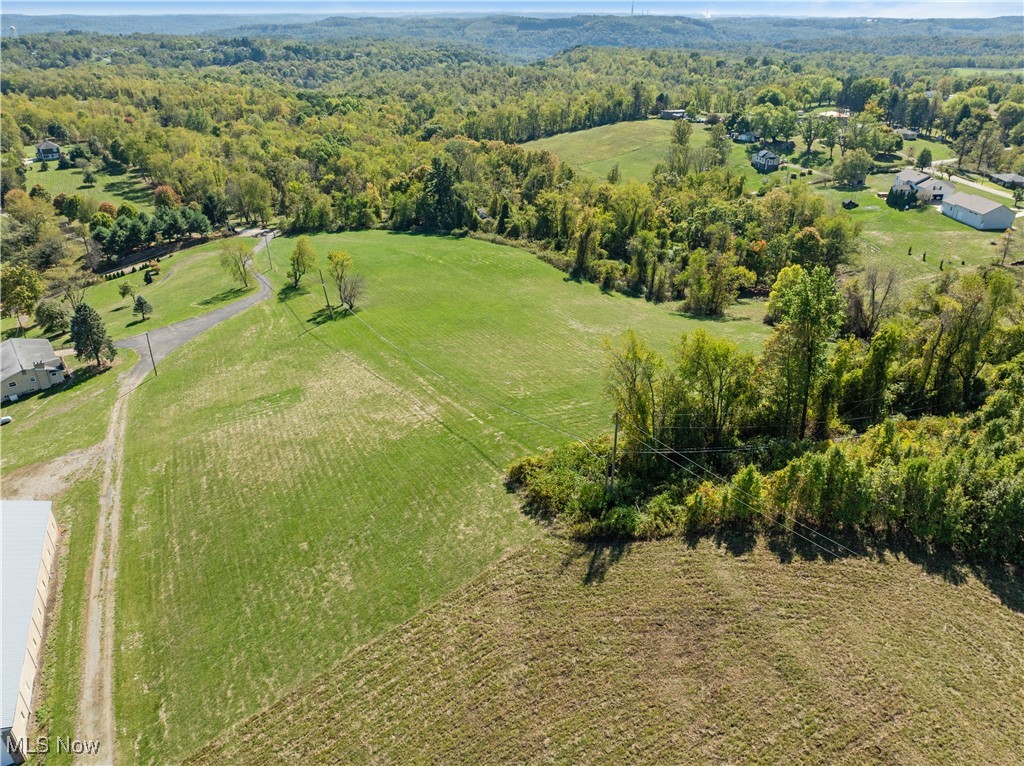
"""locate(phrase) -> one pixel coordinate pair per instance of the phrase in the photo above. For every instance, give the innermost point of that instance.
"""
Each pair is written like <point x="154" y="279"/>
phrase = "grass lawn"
<point x="888" y="233"/>
<point x="76" y="512"/>
<point x="939" y="149"/>
<point x="112" y="185"/>
<point x="190" y="283"/>
<point x="294" y="487"/>
<point x="982" y="71"/>
<point x="635" y="146"/>
<point x="59" y="420"/>
<point x="672" y="652"/>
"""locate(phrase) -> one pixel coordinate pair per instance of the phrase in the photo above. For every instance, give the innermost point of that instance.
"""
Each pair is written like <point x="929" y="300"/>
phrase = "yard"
<point x="888" y="234"/>
<point x="114" y="184"/>
<point x="361" y="485"/>
<point x="190" y="283"/>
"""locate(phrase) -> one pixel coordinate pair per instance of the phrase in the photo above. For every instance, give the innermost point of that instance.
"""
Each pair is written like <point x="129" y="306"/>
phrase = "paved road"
<point x="967" y="182"/>
<point x="166" y="339"/>
<point x="96" y="695"/>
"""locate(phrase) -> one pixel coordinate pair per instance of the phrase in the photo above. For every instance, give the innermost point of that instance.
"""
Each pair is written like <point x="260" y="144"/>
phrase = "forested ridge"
<point x="979" y="41"/>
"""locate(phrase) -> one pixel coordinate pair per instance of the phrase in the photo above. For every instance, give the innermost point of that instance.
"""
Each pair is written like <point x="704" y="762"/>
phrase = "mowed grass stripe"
<point x="671" y="652"/>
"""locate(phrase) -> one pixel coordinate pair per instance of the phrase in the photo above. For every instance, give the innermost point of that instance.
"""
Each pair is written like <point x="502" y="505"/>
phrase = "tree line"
<point x="865" y="413"/>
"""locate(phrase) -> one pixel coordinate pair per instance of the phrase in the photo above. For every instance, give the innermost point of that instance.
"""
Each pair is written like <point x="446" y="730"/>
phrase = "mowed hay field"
<point x="295" y="487"/>
<point x="671" y="653"/>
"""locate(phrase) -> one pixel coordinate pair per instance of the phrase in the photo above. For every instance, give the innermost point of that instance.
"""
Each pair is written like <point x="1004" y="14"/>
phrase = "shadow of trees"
<point x="1004" y="581"/>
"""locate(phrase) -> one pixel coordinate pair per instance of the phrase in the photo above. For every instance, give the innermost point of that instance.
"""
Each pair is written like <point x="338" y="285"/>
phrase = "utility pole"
<point x="151" y="357"/>
<point x="324" y="285"/>
<point x="266" y="246"/>
<point x="615" y="448"/>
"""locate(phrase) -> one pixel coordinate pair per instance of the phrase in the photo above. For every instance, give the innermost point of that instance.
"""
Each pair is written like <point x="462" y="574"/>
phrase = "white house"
<point x="673" y="114"/>
<point x="30" y="535"/>
<point x="926" y="188"/>
<point x="977" y="212"/>
<point x="29" y="365"/>
<point x="765" y="161"/>
<point x="47" y="150"/>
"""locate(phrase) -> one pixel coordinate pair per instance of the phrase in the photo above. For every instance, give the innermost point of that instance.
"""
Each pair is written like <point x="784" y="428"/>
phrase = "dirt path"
<point x="96" y="695"/>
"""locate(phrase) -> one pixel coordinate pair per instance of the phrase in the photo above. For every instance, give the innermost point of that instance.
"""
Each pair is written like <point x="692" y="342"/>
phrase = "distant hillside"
<point x="178" y="24"/>
<point x="537" y="37"/>
<point x="673" y="653"/>
<point x="529" y="38"/>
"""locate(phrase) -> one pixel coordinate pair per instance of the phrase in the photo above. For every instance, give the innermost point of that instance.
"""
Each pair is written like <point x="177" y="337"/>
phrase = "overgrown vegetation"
<point x="910" y="425"/>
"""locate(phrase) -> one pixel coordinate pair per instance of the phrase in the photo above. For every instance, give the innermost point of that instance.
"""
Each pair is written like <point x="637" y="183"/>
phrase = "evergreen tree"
<point x="90" y="337"/>
<point x="142" y="307"/>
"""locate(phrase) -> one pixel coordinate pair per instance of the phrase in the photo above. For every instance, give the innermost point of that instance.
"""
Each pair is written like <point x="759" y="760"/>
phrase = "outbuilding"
<point x="29" y="365"/>
<point x="1009" y="180"/>
<point x="977" y="212"/>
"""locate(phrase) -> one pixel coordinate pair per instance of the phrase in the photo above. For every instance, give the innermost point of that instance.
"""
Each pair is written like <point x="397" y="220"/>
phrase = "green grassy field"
<point x="190" y="283"/>
<point x="111" y="186"/>
<point x="672" y="652"/>
<point x="76" y="512"/>
<point x="60" y="420"/>
<point x="980" y="71"/>
<point x="636" y="147"/>
<point x="295" y="487"/>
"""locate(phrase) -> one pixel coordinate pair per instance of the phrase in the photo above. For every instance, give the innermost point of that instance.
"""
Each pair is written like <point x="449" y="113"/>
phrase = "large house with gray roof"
<point x="924" y="186"/>
<point x="29" y="365"/>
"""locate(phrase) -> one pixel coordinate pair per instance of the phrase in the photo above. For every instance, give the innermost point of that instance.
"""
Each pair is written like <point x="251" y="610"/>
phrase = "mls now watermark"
<point x="43" y="745"/>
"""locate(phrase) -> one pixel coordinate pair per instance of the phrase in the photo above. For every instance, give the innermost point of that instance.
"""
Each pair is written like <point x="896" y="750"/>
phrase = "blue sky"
<point x="864" y="8"/>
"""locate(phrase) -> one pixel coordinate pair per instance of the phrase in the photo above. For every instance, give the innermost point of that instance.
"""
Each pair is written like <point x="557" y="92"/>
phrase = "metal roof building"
<point x="29" y="544"/>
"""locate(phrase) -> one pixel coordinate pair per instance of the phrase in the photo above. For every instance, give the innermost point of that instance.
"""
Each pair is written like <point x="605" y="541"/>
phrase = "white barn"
<point x="977" y="212"/>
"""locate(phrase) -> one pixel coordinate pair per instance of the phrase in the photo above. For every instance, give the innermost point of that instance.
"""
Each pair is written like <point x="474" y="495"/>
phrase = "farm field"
<point x="310" y="451"/>
<point x="190" y="283"/>
<point x="117" y="186"/>
<point x="672" y="652"/>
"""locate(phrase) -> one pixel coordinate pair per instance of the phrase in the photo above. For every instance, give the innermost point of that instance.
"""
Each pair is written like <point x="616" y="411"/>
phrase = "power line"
<point x="765" y="515"/>
<point x="742" y="491"/>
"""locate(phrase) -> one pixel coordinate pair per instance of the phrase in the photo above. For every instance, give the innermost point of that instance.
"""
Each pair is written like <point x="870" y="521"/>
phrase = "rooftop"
<point x="912" y="176"/>
<point x="973" y="202"/>
<point x="23" y="526"/>
<point x="18" y="354"/>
